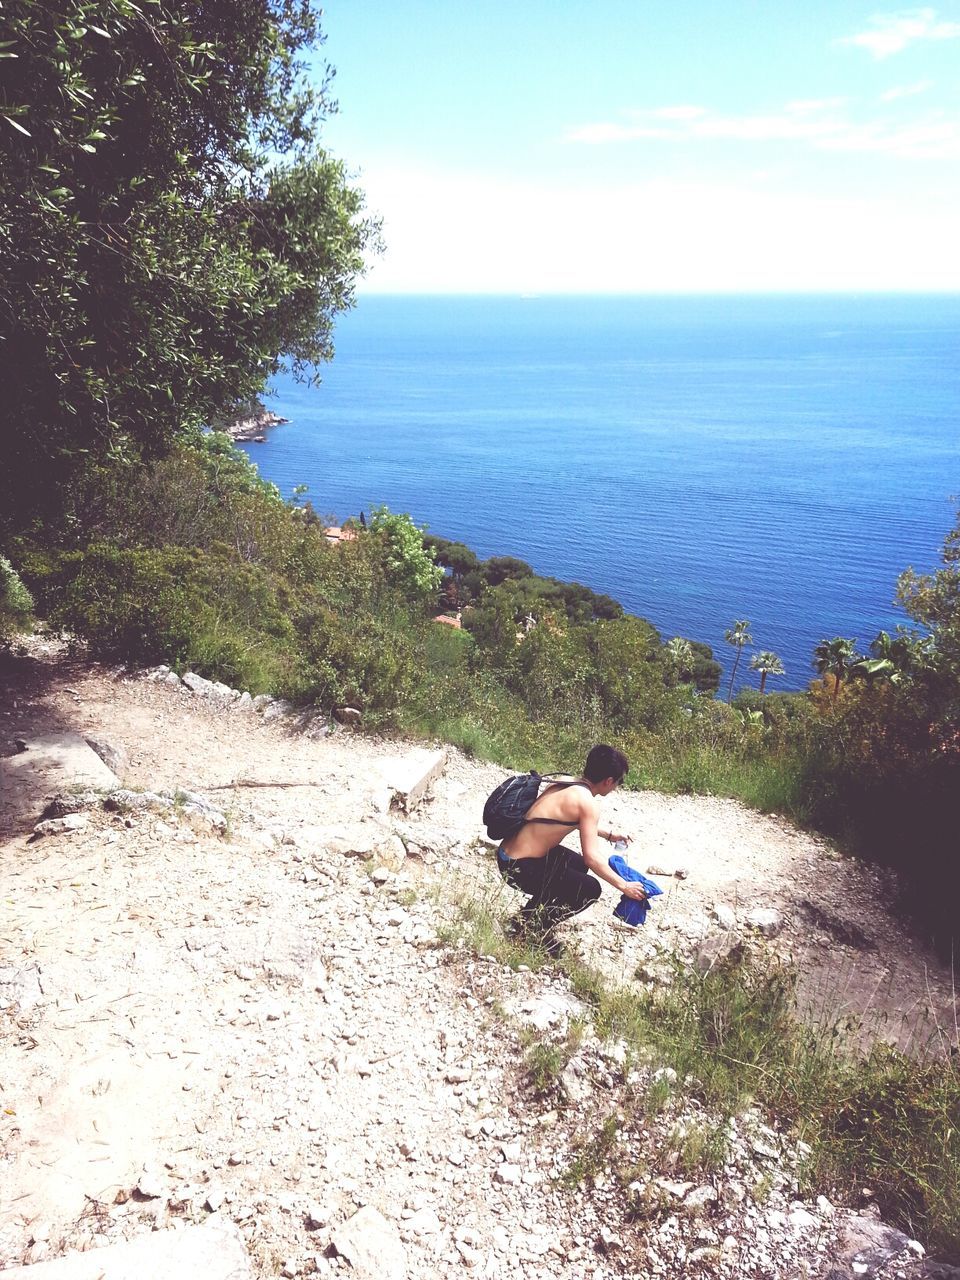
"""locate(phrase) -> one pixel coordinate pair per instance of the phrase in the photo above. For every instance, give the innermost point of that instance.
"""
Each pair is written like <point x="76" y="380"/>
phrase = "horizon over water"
<point x="780" y="458"/>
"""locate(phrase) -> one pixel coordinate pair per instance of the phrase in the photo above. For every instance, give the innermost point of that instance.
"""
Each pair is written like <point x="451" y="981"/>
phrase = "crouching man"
<point x="558" y="880"/>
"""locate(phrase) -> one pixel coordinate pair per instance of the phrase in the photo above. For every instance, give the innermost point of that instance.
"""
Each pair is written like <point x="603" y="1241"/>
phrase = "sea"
<point x="779" y="459"/>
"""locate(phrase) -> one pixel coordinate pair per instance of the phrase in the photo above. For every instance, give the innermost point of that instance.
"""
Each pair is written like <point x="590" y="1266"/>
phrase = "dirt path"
<point x="250" y="1025"/>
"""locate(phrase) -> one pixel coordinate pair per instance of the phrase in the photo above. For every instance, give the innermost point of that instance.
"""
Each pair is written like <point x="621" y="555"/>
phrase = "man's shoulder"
<point x="582" y="798"/>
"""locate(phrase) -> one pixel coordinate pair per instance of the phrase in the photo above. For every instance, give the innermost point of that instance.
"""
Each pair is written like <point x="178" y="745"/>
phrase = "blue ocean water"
<point x="701" y="459"/>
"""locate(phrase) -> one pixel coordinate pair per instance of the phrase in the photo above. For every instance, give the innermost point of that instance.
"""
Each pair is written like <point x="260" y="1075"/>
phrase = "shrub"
<point x="16" y="603"/>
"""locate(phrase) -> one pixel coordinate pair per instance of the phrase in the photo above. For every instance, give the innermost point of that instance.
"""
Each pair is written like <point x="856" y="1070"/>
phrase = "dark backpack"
<point x="507" y="805"/>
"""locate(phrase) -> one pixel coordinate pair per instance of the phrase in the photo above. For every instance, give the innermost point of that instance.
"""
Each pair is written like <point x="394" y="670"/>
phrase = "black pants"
<point x="559" y="885"/>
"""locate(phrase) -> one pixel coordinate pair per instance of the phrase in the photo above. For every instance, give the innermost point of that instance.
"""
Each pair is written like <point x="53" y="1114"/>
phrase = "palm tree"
<point x="768" y="664"/>
<point x="835" y="657"/>
<point x="738" y="635"/>
<point x="680" y="654"/>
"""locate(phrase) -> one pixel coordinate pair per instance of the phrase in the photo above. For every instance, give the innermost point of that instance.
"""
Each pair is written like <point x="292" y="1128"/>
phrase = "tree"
<point x="680" y="656"/>
<point x="410" y="563"/>
<point x="169" y="227"/>
<point x="499" y="568"/>
<point x="739" y="636"/>
<point x="768" y="664"/>
<point x="835" y="657"/>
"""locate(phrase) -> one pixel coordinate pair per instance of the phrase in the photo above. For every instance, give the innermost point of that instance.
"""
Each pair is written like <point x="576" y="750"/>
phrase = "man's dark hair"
<point x="605" y="762"/>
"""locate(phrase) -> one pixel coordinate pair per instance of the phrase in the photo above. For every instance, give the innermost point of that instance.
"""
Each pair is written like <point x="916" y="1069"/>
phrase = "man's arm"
<point x="595" y="858"/>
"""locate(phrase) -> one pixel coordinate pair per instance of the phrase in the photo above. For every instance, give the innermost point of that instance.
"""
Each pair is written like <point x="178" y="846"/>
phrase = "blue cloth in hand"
<point x="629" y="910"/>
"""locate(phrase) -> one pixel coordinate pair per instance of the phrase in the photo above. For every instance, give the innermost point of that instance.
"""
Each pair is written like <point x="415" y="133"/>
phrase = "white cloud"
<point x="820" y="124"/>
<point x="806" y="106"/>
<point x="891" y="33"/>
<point x="464" y="232"/>
<point x="906" y="91"/>
<point x="679" y="113"/>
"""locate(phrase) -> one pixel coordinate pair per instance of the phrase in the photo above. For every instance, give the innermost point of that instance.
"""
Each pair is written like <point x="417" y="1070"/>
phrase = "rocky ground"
<point x="241" y="1001"/>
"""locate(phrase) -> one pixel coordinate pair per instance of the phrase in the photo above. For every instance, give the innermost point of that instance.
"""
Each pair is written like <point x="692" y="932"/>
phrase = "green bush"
<point x="186" y="607"/>
<point x="16" y="603"/>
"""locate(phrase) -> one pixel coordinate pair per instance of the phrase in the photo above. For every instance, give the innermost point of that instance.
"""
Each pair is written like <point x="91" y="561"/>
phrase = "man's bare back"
<point x="564" y="803"/>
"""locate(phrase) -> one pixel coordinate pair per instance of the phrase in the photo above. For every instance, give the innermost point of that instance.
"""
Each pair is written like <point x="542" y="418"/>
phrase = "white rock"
<point x="802" y="1219"/>
<point x="317" y="1215"/>
<point x="371" y="1245"/>
<point x="508" y="1174"/>
<point x="725" y="916"/>
<point x="424" y="1222"/>
<point x="697" y="1201"/>
<point x="766" y="921"/>
<point x="215" y="1198"/>
<point x="390" y="853"/>
<point x="151" y="1184"/>
<point x="198" y="685"/>
<point x="62" y="826"/>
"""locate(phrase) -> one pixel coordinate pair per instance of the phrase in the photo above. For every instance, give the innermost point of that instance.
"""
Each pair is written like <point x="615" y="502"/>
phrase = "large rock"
<point x="111" y="753"/>
<point x="867" y="1245"/>
<point x="551" y="1009"/>
<point x="371" y="1245"/>
<point x="408" y="776"/>
<point x="718" y="949"/>
<point x="766" y="921"/>
<point x="211" y="1252"/>
<point x="56" y="762"/>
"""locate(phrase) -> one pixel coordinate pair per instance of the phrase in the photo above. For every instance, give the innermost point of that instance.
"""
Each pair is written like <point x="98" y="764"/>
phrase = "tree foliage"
<point x="169" y="227"/>
<point x="739" y="636"/>
<point x="410" y="561"/>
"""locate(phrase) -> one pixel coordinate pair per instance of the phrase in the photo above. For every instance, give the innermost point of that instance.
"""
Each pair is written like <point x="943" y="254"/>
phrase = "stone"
<point x="424" y="1222"/>
<point x="56" y="762"/>
<point x="390" y="853"/>
<point x="262" y="701"/>
<point x="347" y="715"/>
<point x="724" y="916"/>
<point x="766" y="921"/>
<point x="576" y="1089"/>
<point x="716" y="949"/>
<point x="317" y="1216"/>
<point x="276" y="708"/>
<point x="112" y="755"/>
<point x="552" y="1009"/>
<point x="214" y="1251"/>
<point x="198" y="685"/>
<point x="73" y="802"/>
<point x="67" y="825"/>
<point x="124" y="801"/>
<point x="20" y="989"/>
<point x="471" y="1257"/>
<point x="700" y="1198"/>
<point x="408" y="776"/>
<point x="356" y="841"/>
<point x="243" y="703"/>
<point x="371" y="1245"/>
<point x="151" y="1184"/>
<point x="508" y="1174"/>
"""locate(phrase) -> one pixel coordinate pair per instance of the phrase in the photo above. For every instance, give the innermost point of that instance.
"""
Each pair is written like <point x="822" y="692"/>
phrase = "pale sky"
<point x="633" y="146"/>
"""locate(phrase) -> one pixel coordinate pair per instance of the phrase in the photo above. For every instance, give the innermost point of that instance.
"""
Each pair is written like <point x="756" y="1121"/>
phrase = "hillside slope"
<point x="270" y="1023"/>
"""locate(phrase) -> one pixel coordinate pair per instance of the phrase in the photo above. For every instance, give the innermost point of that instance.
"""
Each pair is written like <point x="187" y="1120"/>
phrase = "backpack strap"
<point x="557" y="822"/>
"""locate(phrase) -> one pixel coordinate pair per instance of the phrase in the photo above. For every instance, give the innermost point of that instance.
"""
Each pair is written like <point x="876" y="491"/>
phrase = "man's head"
<point x="605" y="765"/>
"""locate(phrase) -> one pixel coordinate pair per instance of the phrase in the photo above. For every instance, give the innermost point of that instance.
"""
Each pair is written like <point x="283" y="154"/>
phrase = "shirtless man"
<point x="557" y="879"/>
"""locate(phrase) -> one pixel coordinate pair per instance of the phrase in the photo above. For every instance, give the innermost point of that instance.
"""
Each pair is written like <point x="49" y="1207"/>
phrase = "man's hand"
<point x="633" y="889"/>
<point x="613" y="837"/>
